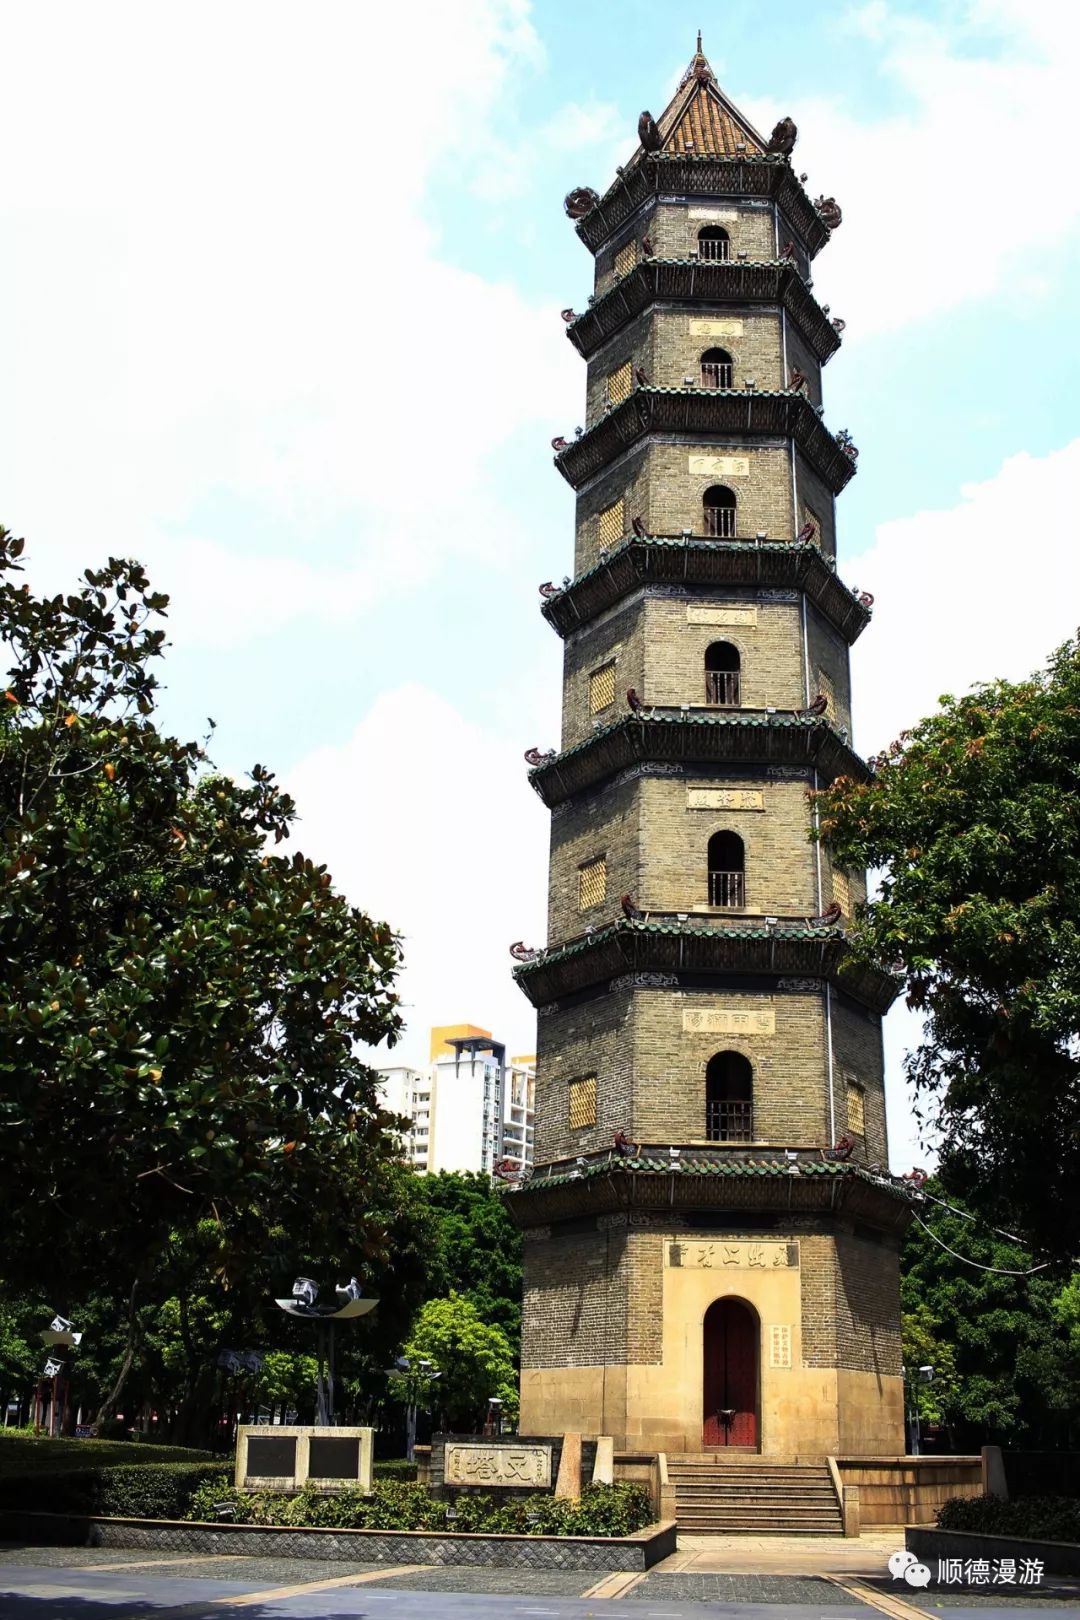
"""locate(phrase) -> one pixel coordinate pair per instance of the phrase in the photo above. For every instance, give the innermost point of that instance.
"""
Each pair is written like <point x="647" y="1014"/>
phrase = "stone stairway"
<point x="717" y="1494"/>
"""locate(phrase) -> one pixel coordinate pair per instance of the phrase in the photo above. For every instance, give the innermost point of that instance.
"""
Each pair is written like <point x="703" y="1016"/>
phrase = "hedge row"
<point x="394" y="1468"/>
<point x="1039" y="1518"/>
<point x="145" y="1491"/>
<point x="604" y="1510"/>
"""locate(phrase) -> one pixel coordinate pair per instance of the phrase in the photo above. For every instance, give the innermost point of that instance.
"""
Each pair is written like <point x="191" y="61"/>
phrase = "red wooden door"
<point x="731" y="1375"/>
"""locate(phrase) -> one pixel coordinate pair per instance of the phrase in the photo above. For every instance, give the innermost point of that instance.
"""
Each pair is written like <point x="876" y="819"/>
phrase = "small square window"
<point x="602" y="687"/>
<point x="592" y="883"/>
<point x="625" y="259"/>
<point x="611" y="525"/>
<point x="582" y="1102"/>
<point x="620" y="383"/>
<point x="856" y="1113"/>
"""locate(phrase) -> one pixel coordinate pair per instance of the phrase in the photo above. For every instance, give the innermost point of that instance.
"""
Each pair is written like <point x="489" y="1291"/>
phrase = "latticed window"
<point x="582" y="1102"/>
<point x="722" y="675"/>
<point x="717" y="369"/>
<point x="620" y="383"/>
<point x="611" y="524"/>
<point x="592" y="883"/>
<point x="713" y="242"/>
<point x="841" y="890"/>
<point x="626" y="258"/>
<point x="602" y="687"/>
<point x="856" y="1112"/>
<point x="729" y="1098"/>
<point x="718" y="507"/>
<point x="727" y="869"/>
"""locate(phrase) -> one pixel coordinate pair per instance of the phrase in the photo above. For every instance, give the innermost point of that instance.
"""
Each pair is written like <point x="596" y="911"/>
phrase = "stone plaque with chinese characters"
<point x="779" y="1345"/>
<point x="720" y="466"/>
<point x="729" y="1021"/>
<point x="719" y="216"/>
<point x="746" y="1255"/>
<point x="721" y="615"/>
<point x="725" y="799"/>
<point x="716" y="328"/>
<point x="498" y="1465"/>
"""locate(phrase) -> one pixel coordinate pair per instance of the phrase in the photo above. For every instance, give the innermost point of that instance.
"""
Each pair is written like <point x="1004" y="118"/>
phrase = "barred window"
<point x="841" y="890"/>
<point x="626" y="258"/>
<point x="856" y="1113"/>
<point x="602" y="687"/>
<point x="582" y="1102"/>
<point x="592" y="883"/>
<point x="620" y="383"/>
<point x="611" y="524"/>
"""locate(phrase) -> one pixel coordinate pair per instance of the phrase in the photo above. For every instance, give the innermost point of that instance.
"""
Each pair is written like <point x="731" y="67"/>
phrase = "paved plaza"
<point x="739" y="1577"/>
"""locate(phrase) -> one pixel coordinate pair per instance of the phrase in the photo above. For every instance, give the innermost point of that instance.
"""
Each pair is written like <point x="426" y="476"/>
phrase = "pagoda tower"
<point x="711" y="1237"/>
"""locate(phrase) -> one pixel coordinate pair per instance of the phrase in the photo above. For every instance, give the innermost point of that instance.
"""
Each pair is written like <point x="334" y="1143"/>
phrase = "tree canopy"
<point x="974" y="818"/>
<point x="473" y="1358"/>
<point x="477" y="1247"/>
<point x="182" y="1003"/>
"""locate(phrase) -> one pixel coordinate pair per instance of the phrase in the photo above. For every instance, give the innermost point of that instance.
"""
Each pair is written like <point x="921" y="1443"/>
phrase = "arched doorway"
<point x="730" y="1382"/>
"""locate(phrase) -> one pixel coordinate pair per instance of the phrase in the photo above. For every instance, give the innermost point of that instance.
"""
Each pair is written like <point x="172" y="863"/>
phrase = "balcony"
<point x="727" y="890"/>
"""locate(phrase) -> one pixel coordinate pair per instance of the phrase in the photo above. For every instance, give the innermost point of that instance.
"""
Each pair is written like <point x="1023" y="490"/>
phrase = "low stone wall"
<point x="637" y="1552"/>
<point x="908" y="1490"/>
<point x="1058" y="1557"/>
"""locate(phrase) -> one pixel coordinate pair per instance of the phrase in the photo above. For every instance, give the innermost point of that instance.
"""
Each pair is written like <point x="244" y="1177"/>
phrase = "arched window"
<point x="719" y="507"/>
<point x="716" y="369"/>
<point x="713" y="242"/>
<point x="727" y="869"/>
<point x="729" y="1098"/>
<point x="722" y="663"/>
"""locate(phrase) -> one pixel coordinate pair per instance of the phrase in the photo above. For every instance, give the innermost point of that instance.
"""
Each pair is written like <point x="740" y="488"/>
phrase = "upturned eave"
<point x="707" y="414"/>
<point x="705" y="281"/>
<point x="682" y="175"/>
<point x="684" y="560"/>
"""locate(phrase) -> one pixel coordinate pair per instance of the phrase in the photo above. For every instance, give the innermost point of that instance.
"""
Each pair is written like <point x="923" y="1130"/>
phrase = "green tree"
<point x="474" y="1360"/>
<point x="181" y="1007"/>
<point x="477" y="1251"/>
<point x="974" y="816"/>
<point x="1005" y="1370"/>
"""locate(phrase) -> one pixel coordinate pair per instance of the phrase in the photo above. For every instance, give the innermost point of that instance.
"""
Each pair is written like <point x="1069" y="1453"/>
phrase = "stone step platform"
<point x="743" y="1495"/>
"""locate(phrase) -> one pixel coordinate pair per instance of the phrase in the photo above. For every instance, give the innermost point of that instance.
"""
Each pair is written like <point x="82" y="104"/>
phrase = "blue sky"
<point x="279" y="314"/>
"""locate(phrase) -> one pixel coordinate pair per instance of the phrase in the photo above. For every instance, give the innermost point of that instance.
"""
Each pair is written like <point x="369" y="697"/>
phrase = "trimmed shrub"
<point x="394" y="1468"/>
<point x="147" y="1491"/>
<point x="604" y="1510"/>
<point x="1039" y="1518"/>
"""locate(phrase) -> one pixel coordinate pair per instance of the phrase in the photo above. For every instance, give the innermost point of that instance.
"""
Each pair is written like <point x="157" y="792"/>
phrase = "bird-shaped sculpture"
<point x="838" y="325"/>
<point x="630" y="911"/>
<point x="783" y="137"/>
<point x="819" y="705"/>
<point x="579" y="202"/>
<point x="647" y="247"/>
<point x="548" y="589"/>
<point x="847" y="444"/>
<point x="804" y="536"/>
<point x="560" y="444"/>
<point x="568" y="315"/>
<point x="798" y="380"/>
<point x="865" y="597"/>
<point x="506" y="1170"/>
<point x="634" y="701"/>
<point x="521" y="952"/>
<point x="642" y="377"/>
<point x="788" y="250"/>
<point x="829" y="209"/>
<point x="534" y="756"/>
<point x="648" y="134"/>
<point x="637" y="523"/>
<point x="622" y="1144"/>
<point x="829" y="917"/>
<point x="918" y="1178"/>
<point x="843" y="1149"/>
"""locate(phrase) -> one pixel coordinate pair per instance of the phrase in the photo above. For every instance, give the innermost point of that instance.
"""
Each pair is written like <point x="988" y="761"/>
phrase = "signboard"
<point x="721" y="615"/>
<point x="528" y="1466"/>
<point x="706" y="1255"/>
<point x="720" y="466"/>
<point x="729" y="1021"/>
<point x="725" y="799"/>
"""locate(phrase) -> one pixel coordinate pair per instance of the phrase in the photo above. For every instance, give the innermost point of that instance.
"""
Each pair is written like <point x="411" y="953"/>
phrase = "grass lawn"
<point x="24" y="1454"/>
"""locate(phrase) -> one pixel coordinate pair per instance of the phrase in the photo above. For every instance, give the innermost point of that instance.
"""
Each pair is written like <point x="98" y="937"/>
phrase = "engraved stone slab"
<point x="722" y="466"/>
<point x="779" y="1345"/>
<point x="721" y="615"/>
<point x="714" y="328"/>
<point x="720" y="1256"/>
<point x="719" y="216"/>
<point x="729" y="1021"/>
<point x="504" y="1466"/>
<point x="725" y="799"/>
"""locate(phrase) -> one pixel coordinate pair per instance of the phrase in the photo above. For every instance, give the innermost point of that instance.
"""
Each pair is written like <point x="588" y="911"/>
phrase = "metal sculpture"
<point x="798" y="381"/>
<point x="804" y="536"/>
<point x="521" y="952"/>
<point x="559" y="444"/>
<point x="647" y="247"/>
<point x="579" y="202"/>
<point x="847" y="444"/>
<point x="829" y="917"/>
<point x="648" y="134"/>
<point x="841" y="1150"/>
<point x="829" y="209"/>
<point x="634" y="701"/>
<point x="637" y="523"/>
<point x="783" y="137"/>
<point x="788" y="250"/>
<point x="568" y="315"/>
<point x="629" y="910"/>
<point x="548" y="589"/>
<point x="534" y="756"/>
<point x="641" y="377"/>
<point x="838" y="325"/>
<point x="812" y="710"/>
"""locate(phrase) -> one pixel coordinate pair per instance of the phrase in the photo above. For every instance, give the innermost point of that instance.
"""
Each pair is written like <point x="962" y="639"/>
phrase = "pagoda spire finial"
<point x="699" y="42"/>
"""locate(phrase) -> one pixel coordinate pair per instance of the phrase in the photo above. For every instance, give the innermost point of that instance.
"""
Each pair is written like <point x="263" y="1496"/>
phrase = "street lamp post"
<point x="417" y="1384"/>
<point x="304" y="1304"/>
<point x="58" y="1335"/>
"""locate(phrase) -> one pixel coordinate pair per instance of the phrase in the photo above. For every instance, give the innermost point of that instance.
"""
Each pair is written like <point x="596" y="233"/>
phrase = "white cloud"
<point x="230" y="298"/>
<point x="426" y="820"/>
<point x="965" y="187"/>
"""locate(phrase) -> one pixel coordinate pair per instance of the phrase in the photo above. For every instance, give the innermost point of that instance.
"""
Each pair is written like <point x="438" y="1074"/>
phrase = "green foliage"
<point x="476" y="1249"/>
<point x="1042" y="1518"/>
<point x="398" y="1468"/>
<point x="147" y="1491"/>
<point x="22" y="1453"/>
<point x="975" y="817"/>
<point x="1006" y="1369"/>
<point x="604" y="1510"/>
<point x="475" y="1362"/>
